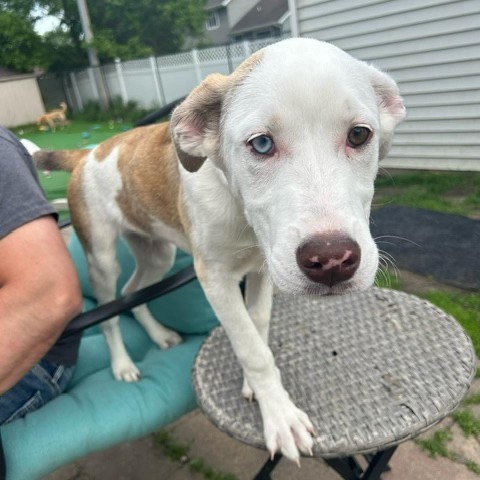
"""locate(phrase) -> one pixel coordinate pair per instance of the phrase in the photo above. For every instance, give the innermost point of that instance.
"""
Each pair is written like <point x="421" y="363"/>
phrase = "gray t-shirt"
<point x="21" y="201"/>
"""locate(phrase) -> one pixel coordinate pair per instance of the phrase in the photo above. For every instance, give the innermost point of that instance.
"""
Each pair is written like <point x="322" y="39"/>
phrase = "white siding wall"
<point x="432" y="49"/>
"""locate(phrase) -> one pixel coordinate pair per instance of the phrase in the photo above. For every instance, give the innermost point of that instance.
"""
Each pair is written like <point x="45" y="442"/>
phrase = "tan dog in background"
<point x="54" y="118"/>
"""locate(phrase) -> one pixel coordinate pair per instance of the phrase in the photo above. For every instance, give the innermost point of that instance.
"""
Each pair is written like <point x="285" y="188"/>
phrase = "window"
<point x="264" y="34"/>
<point x="213" y="21"/>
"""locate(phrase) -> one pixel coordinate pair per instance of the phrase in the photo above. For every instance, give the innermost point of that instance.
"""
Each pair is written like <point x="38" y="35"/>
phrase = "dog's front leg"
<point x="286" y="428"/>
<point x="258" y="299"/>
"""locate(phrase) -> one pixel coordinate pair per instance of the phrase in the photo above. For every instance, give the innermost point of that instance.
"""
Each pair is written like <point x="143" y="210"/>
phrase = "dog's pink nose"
<point x="328" y="259"/>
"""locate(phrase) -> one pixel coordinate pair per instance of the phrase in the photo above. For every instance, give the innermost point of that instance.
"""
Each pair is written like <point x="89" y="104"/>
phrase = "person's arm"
<point x="39" y="295"/>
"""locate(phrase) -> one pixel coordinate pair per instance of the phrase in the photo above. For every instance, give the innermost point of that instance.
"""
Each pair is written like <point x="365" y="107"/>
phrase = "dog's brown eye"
<point x="262" y="144"/>
<point x="358" y="136"/>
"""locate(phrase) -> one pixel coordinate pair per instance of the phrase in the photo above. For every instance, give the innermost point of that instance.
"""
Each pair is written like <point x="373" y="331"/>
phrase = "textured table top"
<point x="370" y="369"/>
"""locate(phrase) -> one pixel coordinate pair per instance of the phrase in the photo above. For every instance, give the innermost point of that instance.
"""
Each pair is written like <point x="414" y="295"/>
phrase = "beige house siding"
<point x="20" y="101"/>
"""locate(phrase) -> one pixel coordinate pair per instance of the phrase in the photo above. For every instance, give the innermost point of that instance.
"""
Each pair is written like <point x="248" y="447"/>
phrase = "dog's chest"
<point x="218" y="227"/>
<point x="229" y="240"/>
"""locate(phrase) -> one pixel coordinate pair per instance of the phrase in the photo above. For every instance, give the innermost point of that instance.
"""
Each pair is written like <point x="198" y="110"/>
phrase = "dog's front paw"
<point x="286" y="428"/>
<point x="165" y="338"/>
<point x="125" y="370"/>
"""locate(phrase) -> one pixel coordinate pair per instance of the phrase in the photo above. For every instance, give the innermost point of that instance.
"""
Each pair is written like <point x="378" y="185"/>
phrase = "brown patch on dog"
<point x="149" y="169"/>
<point x="102" y="151"/>
<point x="248" y="65"/>
<point x="182" y="211"/>
<point x="78" y="208"/>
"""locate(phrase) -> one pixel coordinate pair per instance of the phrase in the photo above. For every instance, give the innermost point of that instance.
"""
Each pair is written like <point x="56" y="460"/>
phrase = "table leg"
<point x="349" y="469"/>
<point x="268" y="467"/>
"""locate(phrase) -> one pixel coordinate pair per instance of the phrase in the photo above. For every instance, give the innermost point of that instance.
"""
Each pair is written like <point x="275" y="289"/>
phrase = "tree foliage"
<point x="127" y="28"/>
<point x="22" y="49"/>
<point x="122" y="28"/>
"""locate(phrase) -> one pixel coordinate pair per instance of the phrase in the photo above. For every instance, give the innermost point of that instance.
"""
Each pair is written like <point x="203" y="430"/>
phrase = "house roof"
<point x="264" y="14"/>
<point x="7" y="74"/>
<point x="214" y="4"/>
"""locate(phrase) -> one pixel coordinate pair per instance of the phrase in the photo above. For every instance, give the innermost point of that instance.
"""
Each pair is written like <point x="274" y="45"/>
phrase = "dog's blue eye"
<point x="262" y="144"/>
<point x="358" y="136"/>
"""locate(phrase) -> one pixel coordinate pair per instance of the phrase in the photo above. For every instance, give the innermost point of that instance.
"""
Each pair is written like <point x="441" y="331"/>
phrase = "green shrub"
<point x="118" y="111"/>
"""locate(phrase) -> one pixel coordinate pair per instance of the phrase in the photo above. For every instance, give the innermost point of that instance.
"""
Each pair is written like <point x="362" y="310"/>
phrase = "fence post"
<point x="93" y="83"/>
<point x="228" y="51"/>
<point x="196" y="65"/>
<point x="292" y="7"/>
<point x="158" y="90"/>
<point x="66" y="90"/>
<point x="246" y="48"/>
<point x="121" y="81"/>
<point x="76" y="91"/>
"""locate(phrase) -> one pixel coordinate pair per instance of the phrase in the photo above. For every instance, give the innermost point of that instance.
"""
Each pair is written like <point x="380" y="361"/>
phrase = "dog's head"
<point x="298" y="130"/>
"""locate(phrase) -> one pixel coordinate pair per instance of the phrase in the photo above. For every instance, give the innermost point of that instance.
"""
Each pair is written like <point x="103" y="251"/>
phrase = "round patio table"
<point x="371" y="370"/>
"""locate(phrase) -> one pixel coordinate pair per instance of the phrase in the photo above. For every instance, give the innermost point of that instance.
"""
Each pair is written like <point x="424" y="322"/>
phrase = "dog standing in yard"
<point x="54" y="118"/>
<point x="266" y="174"/>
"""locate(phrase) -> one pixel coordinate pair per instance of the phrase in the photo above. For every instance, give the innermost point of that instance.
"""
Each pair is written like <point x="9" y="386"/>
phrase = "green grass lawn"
<point x="465" y="307"/>
<point x="449" y="192"/>
<point x="77" y="135"/>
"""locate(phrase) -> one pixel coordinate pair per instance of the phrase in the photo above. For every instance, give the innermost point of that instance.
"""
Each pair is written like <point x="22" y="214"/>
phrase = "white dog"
<point x="265" y="174"/>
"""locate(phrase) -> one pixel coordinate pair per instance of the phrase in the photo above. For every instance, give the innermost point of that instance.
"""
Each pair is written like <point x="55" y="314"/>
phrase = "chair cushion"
<point x="96" y="411"/>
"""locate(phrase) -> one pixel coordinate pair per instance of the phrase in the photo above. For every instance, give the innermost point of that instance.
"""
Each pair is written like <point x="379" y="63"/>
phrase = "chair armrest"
<point x="127" y="302"/>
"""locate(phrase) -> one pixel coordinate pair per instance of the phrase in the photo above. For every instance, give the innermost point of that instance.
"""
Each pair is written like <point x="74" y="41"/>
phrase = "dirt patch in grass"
<point x="419" y="285"/>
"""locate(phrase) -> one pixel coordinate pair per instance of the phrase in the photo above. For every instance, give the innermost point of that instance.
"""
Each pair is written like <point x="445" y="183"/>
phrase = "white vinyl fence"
<point x="155" y="81"/>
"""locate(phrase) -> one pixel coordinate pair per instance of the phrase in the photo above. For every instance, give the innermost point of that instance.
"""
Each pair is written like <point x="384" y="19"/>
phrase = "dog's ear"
<point x="391" y="108"/>
<point x="195" y="123"/>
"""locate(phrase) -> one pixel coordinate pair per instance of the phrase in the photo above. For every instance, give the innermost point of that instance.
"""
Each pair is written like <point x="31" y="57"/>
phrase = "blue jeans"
<point x="42" y="383"/>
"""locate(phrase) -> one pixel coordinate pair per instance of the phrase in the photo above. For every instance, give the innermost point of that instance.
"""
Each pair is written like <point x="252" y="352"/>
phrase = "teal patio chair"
<point x="96" y="411"/>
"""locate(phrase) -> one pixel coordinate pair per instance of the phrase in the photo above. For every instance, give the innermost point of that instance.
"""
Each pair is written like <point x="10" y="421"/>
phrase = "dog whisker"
<point x="385" y="172"/>
<point x="256" y="245"/>
<point x="396" y="237"/>
<point x="389" y="202"/>
<point x="388" y="243"/>
<point x="243" y="230"/>
<point x="388" y="264"/>
<point x="387" y="256"/>
<point x="387" y="261"/>
<point x="382" y="277"/>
